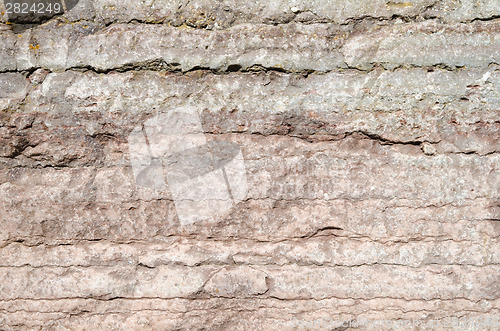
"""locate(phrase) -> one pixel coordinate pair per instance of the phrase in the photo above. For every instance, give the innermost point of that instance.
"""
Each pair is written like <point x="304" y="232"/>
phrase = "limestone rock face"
<point x="343" y="158"/>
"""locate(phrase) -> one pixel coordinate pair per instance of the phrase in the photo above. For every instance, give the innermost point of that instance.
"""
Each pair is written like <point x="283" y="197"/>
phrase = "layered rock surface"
<point x="370" y="133"/>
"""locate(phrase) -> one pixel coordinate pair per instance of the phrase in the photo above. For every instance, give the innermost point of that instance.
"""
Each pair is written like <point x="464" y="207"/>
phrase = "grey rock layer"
<point x="222" y="14"/>
<point x="292" y="47"/>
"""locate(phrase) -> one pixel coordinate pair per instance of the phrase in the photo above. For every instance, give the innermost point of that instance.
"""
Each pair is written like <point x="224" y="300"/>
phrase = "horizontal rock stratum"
<point x="369" y="132"/>
<point x="294" y="47"/>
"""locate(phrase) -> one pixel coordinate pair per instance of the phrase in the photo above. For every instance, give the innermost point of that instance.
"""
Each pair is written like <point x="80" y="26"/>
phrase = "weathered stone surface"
<point x="318" y="250"/>
<point x="453" y="111"/>
<point x="285" y="282"/>
<point x="291" y="47"/>
<point x="370" y="137"/>
<point x="425" y="44"/>
<point x="236" y="314"/>
<point x="221" y="14"/>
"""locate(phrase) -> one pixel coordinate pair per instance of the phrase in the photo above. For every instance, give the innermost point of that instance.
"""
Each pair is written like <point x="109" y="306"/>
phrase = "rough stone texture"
<point x="221" y="14"/>
<point x="370" y="132"/>
<point x="294" y="47"/>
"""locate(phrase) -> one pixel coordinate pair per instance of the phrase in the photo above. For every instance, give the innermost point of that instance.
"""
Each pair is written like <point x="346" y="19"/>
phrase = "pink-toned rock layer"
<point x="370" y="132"/>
